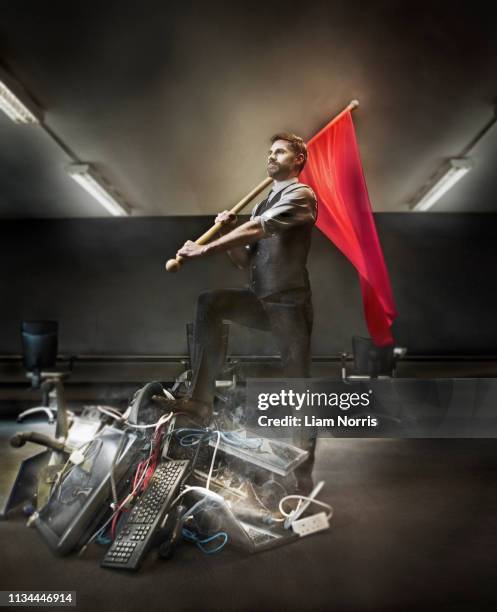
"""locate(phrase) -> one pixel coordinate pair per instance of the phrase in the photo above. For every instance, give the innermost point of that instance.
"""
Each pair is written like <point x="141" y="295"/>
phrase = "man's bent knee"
<point x="208" y="300"/>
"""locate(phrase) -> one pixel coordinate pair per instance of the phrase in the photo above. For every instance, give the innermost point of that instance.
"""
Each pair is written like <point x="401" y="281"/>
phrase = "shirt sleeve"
<point x="297" y="207"/>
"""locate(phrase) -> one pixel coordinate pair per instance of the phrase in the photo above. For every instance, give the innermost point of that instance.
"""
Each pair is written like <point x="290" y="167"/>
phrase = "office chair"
<point x="370" y="360"/>
<point x="39" y="346"/>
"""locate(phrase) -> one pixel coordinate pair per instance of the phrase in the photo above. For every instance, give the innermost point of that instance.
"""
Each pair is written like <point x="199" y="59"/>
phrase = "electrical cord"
<point x="190" y="437"/>
<point x="202" y="490"/>
<point x="102" y="540"/>
<point x="303" y="498"/>
<point x="191" y="536"/>
<point x="195" y="437"/>
<point x="123" y="418"/>
<point x="164" y="419"/>
<point x="144" y="472"/>
<point x="110" y="412"/>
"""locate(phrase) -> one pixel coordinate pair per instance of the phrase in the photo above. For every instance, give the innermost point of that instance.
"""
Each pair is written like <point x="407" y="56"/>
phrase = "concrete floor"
<point x="415" y="528"/>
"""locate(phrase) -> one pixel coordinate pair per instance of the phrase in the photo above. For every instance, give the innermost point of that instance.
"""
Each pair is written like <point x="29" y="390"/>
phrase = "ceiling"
<point x="174" y="103"/>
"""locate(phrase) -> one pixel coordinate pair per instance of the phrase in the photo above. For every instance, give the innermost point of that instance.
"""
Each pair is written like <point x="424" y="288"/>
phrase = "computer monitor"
<point x="81" y="500"/>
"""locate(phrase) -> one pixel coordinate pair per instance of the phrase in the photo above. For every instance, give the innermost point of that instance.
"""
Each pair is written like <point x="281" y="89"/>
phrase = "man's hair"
<point x="297" y="145"/>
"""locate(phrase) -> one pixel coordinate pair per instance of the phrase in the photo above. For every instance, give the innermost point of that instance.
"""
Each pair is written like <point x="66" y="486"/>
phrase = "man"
<point x="273" y="245"/>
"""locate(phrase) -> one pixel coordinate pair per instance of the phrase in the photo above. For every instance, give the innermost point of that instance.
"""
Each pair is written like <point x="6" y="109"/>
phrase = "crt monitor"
<point x="80" y="501"/>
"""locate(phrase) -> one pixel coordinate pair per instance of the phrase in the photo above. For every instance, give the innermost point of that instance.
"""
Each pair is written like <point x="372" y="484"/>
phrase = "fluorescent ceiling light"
<point x="89" y="180"/>
<point x="14" y="108"/>
<point x="458" y="168"/>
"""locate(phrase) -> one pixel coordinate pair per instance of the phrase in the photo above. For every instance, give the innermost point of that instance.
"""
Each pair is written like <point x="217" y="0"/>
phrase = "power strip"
<point x="311" y="524"/>
<point x="303" y="505"/>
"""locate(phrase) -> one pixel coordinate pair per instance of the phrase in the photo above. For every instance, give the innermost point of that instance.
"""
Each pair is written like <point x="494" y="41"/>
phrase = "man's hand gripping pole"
<point x="173" y="265"/>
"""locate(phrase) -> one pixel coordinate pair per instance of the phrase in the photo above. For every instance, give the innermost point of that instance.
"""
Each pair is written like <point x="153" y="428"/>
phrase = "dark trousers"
<point x="287" y="314"/>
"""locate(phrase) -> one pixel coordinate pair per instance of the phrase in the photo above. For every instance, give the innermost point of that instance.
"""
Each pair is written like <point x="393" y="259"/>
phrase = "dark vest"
<point x="278" y="263"/>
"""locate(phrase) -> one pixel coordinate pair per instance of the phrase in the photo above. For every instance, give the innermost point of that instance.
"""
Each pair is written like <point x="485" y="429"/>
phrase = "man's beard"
<point x="277" y="172"/>
<point x="273" y="169"/>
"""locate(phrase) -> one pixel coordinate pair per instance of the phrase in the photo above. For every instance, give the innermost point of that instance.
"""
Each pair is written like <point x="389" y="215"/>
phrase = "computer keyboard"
<point x="137" y="534"/>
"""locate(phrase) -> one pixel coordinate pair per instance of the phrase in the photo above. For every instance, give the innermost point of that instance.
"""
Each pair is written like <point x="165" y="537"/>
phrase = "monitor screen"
<point x="83" y="494"/>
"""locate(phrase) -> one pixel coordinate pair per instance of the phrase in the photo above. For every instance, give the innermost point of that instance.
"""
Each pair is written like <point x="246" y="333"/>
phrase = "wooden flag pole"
<point x="173" y="265"/>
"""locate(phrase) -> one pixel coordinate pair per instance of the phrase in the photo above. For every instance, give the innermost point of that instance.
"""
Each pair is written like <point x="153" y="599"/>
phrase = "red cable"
<point x="152" y="464"/>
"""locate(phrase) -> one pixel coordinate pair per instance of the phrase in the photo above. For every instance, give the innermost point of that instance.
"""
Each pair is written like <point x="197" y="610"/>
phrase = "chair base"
<point x="37" y="410"/>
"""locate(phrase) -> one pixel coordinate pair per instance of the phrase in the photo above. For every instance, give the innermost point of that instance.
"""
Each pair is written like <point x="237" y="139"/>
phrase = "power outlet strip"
<point x="311" y="524"/>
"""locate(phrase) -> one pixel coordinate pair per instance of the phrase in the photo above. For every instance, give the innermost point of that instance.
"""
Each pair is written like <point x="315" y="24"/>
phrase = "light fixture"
<point x="20" y="111"/>
<point x="86" y="176"/>
<point x="458" y="168"/>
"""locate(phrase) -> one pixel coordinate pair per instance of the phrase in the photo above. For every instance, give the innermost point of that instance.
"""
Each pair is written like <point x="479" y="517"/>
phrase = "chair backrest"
<point x="39" y="344"/>
<point x="372" y="360"/>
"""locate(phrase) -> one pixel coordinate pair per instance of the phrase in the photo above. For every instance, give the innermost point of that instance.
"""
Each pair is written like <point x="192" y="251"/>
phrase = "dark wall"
<point x="103" y="280"/>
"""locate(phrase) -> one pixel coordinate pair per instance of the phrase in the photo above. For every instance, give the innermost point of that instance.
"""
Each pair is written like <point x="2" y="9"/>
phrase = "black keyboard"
<point x="137" y="534"/>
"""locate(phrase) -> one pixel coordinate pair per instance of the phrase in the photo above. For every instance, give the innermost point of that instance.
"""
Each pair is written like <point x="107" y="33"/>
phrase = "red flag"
<point x="334" y="172"/>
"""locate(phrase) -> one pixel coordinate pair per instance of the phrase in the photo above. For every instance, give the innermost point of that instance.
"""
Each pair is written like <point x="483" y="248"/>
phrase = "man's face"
<point x="282" y="162"/>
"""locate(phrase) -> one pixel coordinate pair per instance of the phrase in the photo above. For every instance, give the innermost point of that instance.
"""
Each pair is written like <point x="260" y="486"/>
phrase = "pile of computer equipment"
<point x="147" y="479"/>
